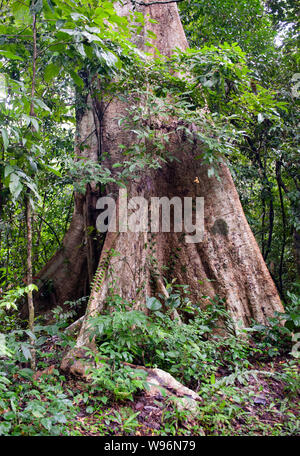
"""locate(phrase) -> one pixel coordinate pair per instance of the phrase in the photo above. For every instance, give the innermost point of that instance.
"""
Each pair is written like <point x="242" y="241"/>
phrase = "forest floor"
<point x="246" y="386"/>
<point x="259" y="405"/>
<point x="267" y="412"/>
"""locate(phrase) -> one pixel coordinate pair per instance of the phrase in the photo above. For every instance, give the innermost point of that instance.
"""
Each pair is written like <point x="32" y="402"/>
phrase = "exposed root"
<point x="159" y="382"/>
<point x="75" y="326"/>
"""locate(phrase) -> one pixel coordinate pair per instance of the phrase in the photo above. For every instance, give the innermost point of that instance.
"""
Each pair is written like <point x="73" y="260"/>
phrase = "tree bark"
<point x="227" y="263"/>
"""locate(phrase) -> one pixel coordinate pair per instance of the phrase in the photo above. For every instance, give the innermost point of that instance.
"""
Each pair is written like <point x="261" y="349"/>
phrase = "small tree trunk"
<point x="29" y="278"/>
<point x="28" y="209"/>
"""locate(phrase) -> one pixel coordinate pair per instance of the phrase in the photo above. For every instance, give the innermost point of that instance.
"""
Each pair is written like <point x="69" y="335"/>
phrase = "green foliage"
<point x="291" y="316"/>
<point x="264" y="167"/>
<point x="235" y="93"/>
<point x="191" y="351"/>
<point x="34" y="408"/>
<point x="74" y="43"/>
<point x="126" y="420"/>
<point x="217" y="21"/>
<point x="278" y="334"/>
<point x="11" y="297"/>
<point x="30" y="405"/>
<point x="232" y="102"/>
<point x="117" y="381"/>
<point x="183" y="349"/>
<point x="195" y="355"/>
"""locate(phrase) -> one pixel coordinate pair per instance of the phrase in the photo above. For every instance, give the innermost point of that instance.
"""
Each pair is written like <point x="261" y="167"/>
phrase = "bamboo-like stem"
<point x="29" y="277"/>
<point x="29" y="212"/>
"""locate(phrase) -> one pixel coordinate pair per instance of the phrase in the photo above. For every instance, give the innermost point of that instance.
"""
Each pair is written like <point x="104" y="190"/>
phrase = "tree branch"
<point x="52" y="229"/>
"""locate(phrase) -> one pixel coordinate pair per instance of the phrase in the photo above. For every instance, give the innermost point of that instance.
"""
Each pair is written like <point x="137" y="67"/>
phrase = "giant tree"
<point x="227" y="262"/>
<point x="174" y="157"/>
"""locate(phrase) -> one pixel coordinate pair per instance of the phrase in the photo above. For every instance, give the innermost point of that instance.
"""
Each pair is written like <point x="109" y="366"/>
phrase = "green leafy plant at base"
<point x="126" y="420"/>
<point x="30" y="405"/>
<point x="189" y="351"/>
<point x="279" y="334"/>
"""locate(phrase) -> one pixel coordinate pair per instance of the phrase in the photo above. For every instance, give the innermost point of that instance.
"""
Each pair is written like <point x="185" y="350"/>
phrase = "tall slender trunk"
<point x="283" y="218"/>
<point x="28" y="207"/>
<point x="29" y="278"/>
<point x="29" y="263"/>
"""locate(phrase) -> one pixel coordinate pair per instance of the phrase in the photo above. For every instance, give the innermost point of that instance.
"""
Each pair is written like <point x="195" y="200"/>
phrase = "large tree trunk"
<point x="227" y="263"/>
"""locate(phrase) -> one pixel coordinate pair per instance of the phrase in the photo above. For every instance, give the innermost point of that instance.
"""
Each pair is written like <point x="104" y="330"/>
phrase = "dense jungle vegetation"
<point x="243" y="74"/>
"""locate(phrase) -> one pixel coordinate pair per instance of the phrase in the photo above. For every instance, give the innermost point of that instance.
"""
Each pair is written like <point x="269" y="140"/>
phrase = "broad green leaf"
<point x="36" y="6"/>
<point x="4" y="351"/>
<point x="46" y="423"/>
<point x="173" y="301"/>
<point x="32" y="163"/>
<point x="15" y="185"/>
<point x="77" y="79"/>
<point x="4" y="138"/>
<point x="10" y="55"/>
<point x="51" y="71"/>
<point x="5" y="427"/>
<point x="41" y="104"/>
<point x="27" y="119"/>
<point x="37" y="413"/>
<point x="78" y="16"/>
<point x="14" y="180"/>
<point x="153" y="304"/>
<point x="26" y="373"/>
<point x="26" y="351"/>
<point x="151" y="34"/>
<point x="52" y="170"/>
<point x="80" y="49"/>
<point x="35" y="123"/>
<point x="31" y="287"/>
<point x="91" y="37"/>
<point x="8" y="170"/>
